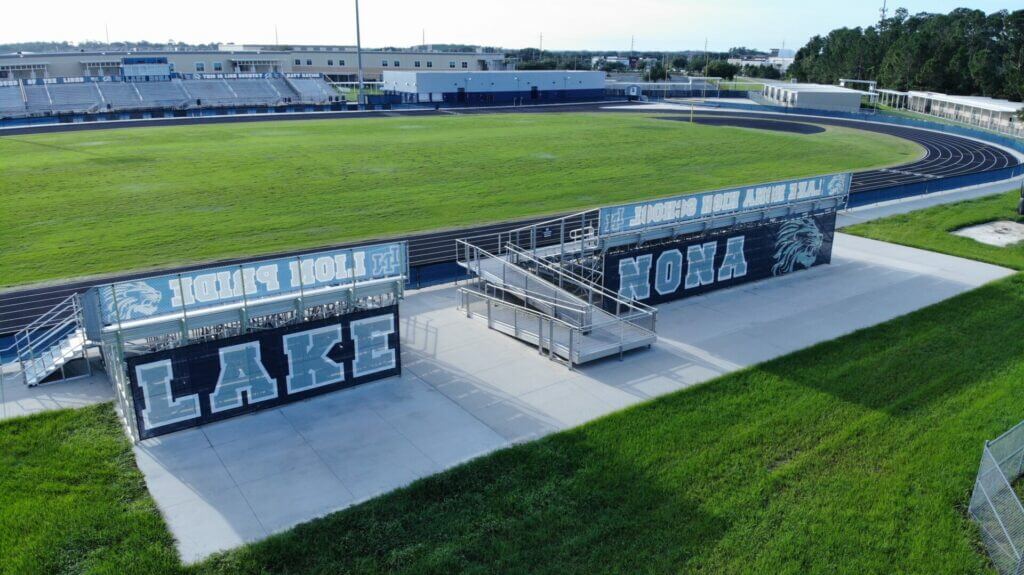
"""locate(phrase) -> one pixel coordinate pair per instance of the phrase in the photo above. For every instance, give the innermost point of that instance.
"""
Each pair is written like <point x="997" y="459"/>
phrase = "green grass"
<point x="72" y="500"/>
<point x="856" y="456"/>
<point x="930" y="229"/>
<point x="741" y="86"/>
<point x="86" y="203"/>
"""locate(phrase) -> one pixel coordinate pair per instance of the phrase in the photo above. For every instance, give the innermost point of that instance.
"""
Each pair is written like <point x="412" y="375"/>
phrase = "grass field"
<point x="855" y="456"/>
<point x="72" y="500"/>
<point x="930" y="229"/>
<point x="96" y="202"/>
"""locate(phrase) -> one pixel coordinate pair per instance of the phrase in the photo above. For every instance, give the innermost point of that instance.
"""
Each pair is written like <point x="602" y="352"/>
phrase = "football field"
<point x="85" y="203"/>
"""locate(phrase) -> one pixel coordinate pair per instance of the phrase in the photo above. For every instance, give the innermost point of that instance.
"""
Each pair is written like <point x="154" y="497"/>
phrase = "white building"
<point x="524" y="86"/>
<point x="989" y="113"/>
<point x="813" y="96"/>
<point x="779" y="63"/>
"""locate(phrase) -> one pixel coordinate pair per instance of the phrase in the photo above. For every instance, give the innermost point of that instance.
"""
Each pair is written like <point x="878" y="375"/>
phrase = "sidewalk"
<point x="467" y="391"/>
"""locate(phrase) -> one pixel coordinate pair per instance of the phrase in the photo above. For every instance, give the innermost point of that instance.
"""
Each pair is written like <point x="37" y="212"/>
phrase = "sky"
<point x="565" y="24"/>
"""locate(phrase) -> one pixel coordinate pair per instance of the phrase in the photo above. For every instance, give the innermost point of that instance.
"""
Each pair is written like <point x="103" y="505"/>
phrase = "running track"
<point x="945" y="155"/>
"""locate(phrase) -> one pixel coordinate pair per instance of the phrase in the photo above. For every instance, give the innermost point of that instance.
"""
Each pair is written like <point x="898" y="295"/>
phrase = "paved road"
<point x="946" y="155"/>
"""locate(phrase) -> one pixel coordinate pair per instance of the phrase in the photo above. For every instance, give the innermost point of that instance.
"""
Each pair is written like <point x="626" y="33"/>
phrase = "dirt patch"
<point x="1001" y="233"/>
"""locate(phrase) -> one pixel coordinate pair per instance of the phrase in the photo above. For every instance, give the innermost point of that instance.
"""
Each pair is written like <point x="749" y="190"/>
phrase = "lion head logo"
<point x="797" y="244"/>
<point x="837" y="185"/>
<point x="132" y="300"/>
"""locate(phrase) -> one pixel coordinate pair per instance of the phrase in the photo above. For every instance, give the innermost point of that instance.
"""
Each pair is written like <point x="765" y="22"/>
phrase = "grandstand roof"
<point x="981" y="102"/>
<point x="813" y="88"/>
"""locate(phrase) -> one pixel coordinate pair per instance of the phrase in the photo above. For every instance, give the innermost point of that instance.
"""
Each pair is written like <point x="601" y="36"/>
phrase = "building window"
<point x="397" y="63"/>
<point x="309" y="62"/>
<point x="416" y="63"/>
<point x="298" y="62"/>
<point x="341" y="62"/>
<point x="170" y="66"/>
<point x="330" y="62"/>
<point x="200" y="66"/>
<point x="430" y="64"/>
<point x="465" y="64"/>
<point x="451" y="63"/>
<point x="218" y="67"/>
<point x="384" y="63"/>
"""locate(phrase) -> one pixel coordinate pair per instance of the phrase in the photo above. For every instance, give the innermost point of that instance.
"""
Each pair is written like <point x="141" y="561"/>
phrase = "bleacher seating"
<point x="209" y="92"/>
<point x="162" y="94"/>
<point x="10" y="101"/>
<point x="251" y="91"/>
<point x="176" y="93"/>
<point x="119" y="95"/>
<point x="288" y="93"/>
<point x="38" y="99"/>
<point x="312" y="90"/>
<point x="74" y="97"/>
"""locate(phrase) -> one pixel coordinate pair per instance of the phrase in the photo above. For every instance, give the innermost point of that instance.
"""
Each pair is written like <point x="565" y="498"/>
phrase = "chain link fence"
<point x="996" y="507"/>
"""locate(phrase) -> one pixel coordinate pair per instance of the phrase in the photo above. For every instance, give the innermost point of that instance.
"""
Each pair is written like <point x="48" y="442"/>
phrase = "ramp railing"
<point x="48" y="343"/>
<point x="537" y="302"/>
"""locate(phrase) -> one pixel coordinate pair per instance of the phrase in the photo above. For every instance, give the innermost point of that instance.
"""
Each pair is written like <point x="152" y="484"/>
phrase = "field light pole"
<point x="359" y="58"/>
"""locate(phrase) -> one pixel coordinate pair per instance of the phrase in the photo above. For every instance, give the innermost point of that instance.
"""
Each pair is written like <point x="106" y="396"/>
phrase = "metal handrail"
<point x="638" y="309"/>
<point x="639" y="306"/>
<point x="530" y="294"/>
<point x="72" y="300"/>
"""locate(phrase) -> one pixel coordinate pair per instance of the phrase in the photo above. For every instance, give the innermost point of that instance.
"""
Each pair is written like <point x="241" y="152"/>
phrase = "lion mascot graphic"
<point x="133" y="300"/>
<point x="797" y="244"/>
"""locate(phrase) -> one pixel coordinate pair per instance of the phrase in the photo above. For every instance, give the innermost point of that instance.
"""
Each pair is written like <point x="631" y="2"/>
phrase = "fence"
<point x="1009" y="142"/>
<point x="994" y="504"/>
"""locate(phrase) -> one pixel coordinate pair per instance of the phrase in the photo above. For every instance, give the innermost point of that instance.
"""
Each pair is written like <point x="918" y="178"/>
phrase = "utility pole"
<point x="540" y="56"/>
<point x="277" y="42"/>
<point x="106" y="29"/>
<point x="359" y="57"/>
<point x="883" y="13"/>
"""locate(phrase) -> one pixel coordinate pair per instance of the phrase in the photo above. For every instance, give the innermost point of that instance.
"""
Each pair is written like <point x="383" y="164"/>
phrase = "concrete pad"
<point x="999" y="234"/>
<point x="466" y="391"/>
<point x="17" y="399"/>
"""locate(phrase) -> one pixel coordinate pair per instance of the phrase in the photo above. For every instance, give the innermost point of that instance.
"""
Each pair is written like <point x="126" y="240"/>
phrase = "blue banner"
<point x="701" y="262"/>
<point x="680" y="209"/>
<point x="149" y="297"/>
<point x="199" y="383"/>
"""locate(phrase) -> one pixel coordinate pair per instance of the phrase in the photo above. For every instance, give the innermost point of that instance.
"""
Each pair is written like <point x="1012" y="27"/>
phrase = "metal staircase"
<point x="47" y="345"/>
<point x="567" y="316"/>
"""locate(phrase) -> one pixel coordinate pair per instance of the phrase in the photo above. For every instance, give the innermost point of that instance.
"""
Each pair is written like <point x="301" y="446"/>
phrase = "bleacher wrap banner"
<point x="685" y="208"/>
<point x="149" y="297"/>
<point x="705" y="261"/>
<point x="203" y="382"/>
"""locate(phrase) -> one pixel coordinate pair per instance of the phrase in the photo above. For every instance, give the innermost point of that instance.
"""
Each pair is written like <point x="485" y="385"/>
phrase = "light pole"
<point x="359" y="58"/>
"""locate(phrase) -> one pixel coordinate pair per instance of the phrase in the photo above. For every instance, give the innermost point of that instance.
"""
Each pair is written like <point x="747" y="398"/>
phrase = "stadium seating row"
<point x="92" y="97"/>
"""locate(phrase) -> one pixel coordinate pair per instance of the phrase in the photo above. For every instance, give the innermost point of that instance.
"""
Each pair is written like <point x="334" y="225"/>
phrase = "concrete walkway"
<point x="467" y="391"/>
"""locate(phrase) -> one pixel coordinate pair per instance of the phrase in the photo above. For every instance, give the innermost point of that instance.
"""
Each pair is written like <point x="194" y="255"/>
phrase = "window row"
<point x="201" y="67"/>
<point x="383" y="63"/>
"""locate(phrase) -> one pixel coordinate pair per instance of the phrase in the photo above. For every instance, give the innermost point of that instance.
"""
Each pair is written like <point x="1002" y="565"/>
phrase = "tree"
<point x="722" y="69"/>
<point x="680" y="63"/>
<point x="655" y="73"/>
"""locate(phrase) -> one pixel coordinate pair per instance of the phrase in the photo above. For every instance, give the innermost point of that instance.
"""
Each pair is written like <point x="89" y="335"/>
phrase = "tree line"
<point x="965" y="52"/>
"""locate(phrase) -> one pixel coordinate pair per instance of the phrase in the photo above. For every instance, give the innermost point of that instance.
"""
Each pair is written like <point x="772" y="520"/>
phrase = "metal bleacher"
<point x="309" y="89"/>
<point x="10" y="100"/>
<point x="74" y="97"/>
<point x="38" y="99"/>
<point x="254" y="91"/>
<point x="120" y="95"/>
<point x="83" y="97"/>
<point x="161" y="94"/>
<point x="284" y="89"/>
<point x="209" y="92"/>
